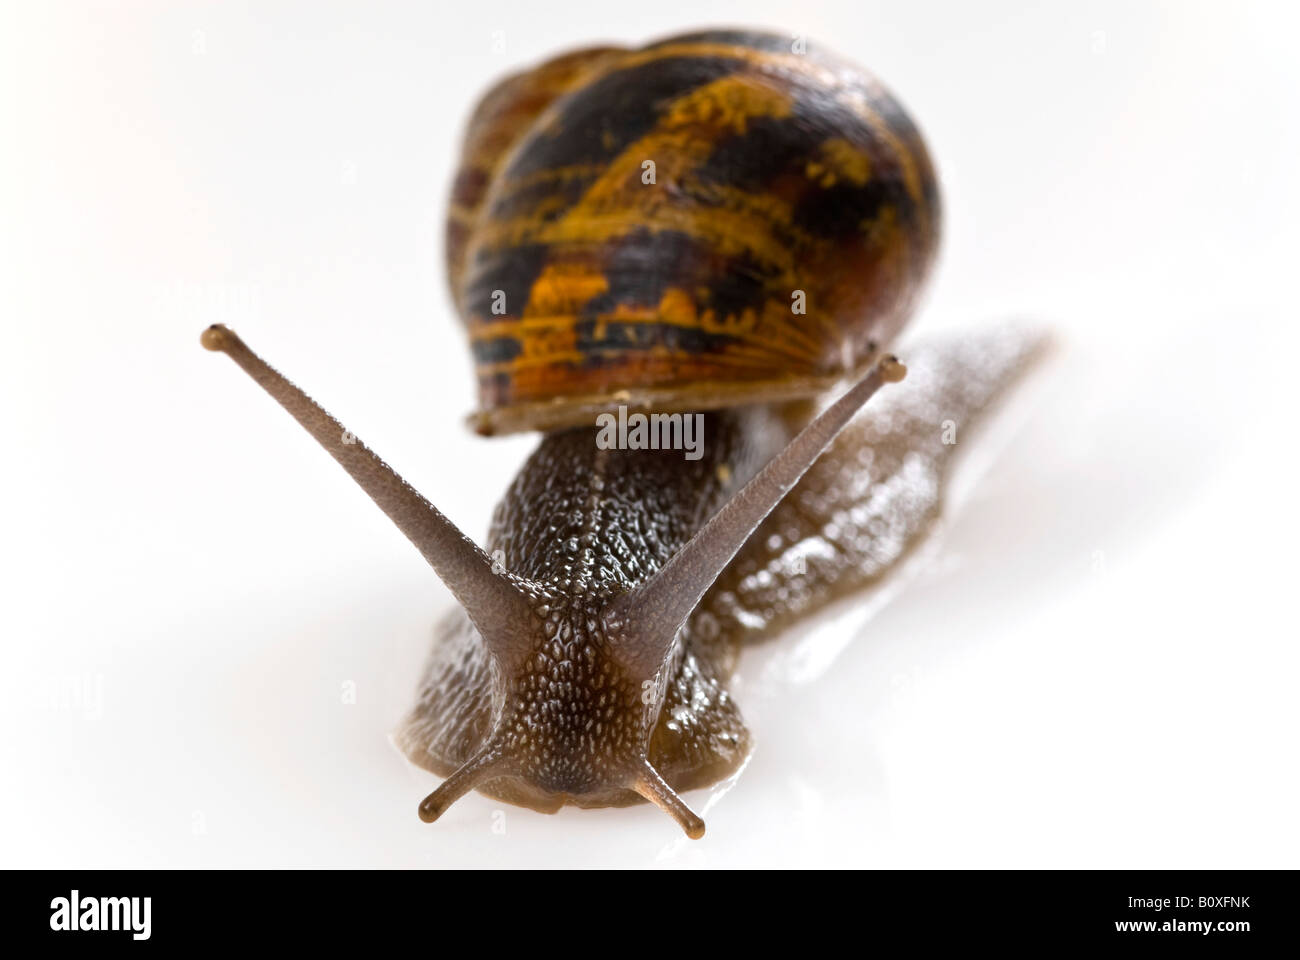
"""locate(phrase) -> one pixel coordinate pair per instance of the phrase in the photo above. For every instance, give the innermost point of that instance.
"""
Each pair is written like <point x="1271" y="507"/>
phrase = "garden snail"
<point x="715" y="223"/>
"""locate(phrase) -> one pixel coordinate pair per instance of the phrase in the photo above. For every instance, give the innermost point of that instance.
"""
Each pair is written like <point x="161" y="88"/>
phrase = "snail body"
<point x="594" y="525"/>
<point x="589" y="660"/>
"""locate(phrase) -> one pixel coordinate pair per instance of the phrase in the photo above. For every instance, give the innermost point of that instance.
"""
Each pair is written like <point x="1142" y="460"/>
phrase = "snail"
<point x="718" y="226"/>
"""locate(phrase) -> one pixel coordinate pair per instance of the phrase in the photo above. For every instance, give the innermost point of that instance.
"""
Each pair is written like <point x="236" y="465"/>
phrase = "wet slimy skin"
<point x="587" y="525"/>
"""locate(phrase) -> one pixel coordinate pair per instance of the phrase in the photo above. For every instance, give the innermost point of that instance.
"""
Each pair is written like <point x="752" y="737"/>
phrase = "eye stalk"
<point x="498" y="609"/>
<point x="657" y="609"/>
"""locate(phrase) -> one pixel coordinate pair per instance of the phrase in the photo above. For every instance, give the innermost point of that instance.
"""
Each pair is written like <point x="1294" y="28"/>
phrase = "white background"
<point x="1098" y="668"/>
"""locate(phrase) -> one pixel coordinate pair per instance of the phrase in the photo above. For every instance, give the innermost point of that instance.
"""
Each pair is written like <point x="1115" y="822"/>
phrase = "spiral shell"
<point x="712" y="220"/>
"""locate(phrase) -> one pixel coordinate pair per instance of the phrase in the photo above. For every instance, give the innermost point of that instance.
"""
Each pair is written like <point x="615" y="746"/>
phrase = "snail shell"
<point x="708" y="221"/>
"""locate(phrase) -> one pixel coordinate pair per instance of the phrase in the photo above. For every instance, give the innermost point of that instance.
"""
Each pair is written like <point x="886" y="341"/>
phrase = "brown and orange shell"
<point x="709" y="221"/>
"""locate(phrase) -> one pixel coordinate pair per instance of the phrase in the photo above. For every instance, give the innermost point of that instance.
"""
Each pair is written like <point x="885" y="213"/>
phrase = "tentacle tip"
<point x="430" y="810"/>
<point x="891" y="369"/>
<point x="652" y="786"/>
<point x="215" y="337"/>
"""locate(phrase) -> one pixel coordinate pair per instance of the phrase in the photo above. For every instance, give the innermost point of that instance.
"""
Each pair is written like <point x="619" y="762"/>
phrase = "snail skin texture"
<point x="589" y="660"/>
